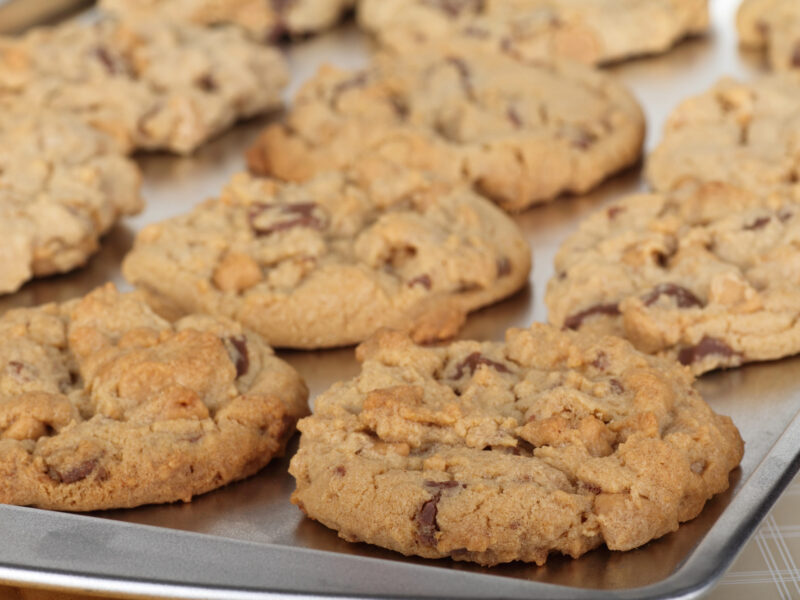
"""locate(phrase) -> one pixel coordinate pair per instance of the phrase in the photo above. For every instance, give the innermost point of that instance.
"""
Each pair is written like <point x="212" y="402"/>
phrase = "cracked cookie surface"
<point x="328" y="262"/>
<point x="710" y="278"/>
<point x="492" y="452"/>
<point x="590" y="31"/>
<point x="773" y="26"/>
<point x="265" y="19"/>
<point x="519" y="133"/>
<point x="737" y="133"/>
<point x="150" y="86"/>
<point x="103" y="404"/>
<point x="62" y="186"/>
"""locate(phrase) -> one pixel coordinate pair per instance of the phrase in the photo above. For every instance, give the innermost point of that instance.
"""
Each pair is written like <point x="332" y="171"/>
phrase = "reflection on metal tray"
<point x="248" y="541"/>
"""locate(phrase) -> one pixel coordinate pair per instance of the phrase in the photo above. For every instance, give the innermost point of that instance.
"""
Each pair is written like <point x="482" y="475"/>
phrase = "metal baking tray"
<point x="248" y="541"/>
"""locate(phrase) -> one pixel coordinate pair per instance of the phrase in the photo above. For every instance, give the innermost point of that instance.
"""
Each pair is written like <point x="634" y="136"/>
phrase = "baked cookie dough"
<point x="493" y="452"/>
<point x="264" y="19"/>
<point x="710" y="278"/>
<point x="62" y="186"/>
<point x="103" y="404"/>
<point x="520" y="133"/>
<point x="590" y="31"/>
<point x="328" y="262"/>
<point x="152" y="86"/>
<point x="774" y="26"/>
<point x="738" y="133"/>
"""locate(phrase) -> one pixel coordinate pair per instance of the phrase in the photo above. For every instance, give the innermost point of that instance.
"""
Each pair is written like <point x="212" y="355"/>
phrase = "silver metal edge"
<point x="49" y="549"/>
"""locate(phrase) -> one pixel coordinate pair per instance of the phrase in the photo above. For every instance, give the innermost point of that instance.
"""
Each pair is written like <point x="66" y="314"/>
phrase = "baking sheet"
<point x="253" y="523"/>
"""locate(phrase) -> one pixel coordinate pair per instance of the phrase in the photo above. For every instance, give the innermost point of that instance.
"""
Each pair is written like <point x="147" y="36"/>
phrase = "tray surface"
<point x="259" y="543"/>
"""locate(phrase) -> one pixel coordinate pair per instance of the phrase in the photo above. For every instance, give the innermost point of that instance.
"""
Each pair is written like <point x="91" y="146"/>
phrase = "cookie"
<point x="590" y="31"/>
<point x="262" y="18"/>
<point x="62" y="186"/>
<point x="738" y="133"/>
<point x="494" y="452"/>
<point x="773" y="26"/>
<point x="520" y="133"/>
<point x="328" y="262"/>
<point x="103" y="404"/>
<point x="710" y="278"/>
<point x="151" y="86"/>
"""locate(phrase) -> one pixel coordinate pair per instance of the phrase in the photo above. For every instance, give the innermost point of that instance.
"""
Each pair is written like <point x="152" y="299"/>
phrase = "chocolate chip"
<point x="708" y="346"/>
<point x="474" y="360"/>
<point x="106" y="59"/>
<point x="616" y="386"/>
<point x="590" y="487"/>
<point x="576" y="320"/>
<point x="16" y="366"/>
<point x="683" y="297"/>
<point x="584" y="140"/>
<point x="82" y="471"/>
<point x="503" y="267"/>
<point x="759" y="223"/>
<point x="613" y="211"/>
<point x="426" y="521"/>
<point x="785" y="215"/>
<point x="463" y="74"/>
<point x="301" y="215"/>
<point x="453" y="8"/>
<point x="441" y="485"/>
<point x="796" y="54"/>
<point x="207" y="83"/>
<point x="514" y="117"/>
<point x="242" y="355"/>
<point x="340" y="471"/>
<point x="662" y="260"/>
<point x="423" y="280"/>
<point x="601" y="362"/>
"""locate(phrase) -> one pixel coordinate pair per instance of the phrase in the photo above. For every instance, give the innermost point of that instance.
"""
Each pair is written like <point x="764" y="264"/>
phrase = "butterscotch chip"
<point x="591" y="31"/>
<point x="62" y="186"/>
<point x="520" y="132"/>
<point x="740" y="133"/>
<point x="709" y="278"/>
<point x="772" y="26"/>
<point x="328" y="262"/>
<point x="103" y="404"/>
<point x="149" y="85"/>
<point x="262" y="18"/>
<point x="550" y="442"/>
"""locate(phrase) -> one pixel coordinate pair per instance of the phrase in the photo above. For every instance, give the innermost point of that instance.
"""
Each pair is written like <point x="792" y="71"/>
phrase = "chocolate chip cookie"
<point x="492" y="452"/>
<point x="710" y="277"/>
<point x="328" y="262"/>
<point x="103" y="404"/>
<point x="521" y="133"/>
<point x="591" y="31"/>
<point x="738" y="133"/>
<point x="62" y="186"/>
<point x="773" y="26"/>
<point x="265" y="19"/>
<point x="150" y="85"/>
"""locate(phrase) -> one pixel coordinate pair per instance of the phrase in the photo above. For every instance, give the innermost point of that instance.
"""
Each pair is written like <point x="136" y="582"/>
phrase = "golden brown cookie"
<point x="103" y="404"/>
<point x="492" y="452"/>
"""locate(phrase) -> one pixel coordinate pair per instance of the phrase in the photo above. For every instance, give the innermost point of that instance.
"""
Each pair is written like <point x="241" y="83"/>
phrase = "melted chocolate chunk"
<point x="426" y="521"/>
<point x="708" y="346"/>
<point x="683" y="297"/>
<point x="576" y="320"/>
<point x="616" y="386"/>
<point x="441" y="485"/>
<point x="474" y="360"/>
<point x="207" y="83"/>
<point x="340" y="471"/>
<point x="463" y="74"/>
<point x="759" y="223"/>
<point x="15" y="366"/>
<point x="453" y="8"/>
<point x="503" y="267"/>
<point x="82" y="471"/>
<point x="423" y="280"/>
<point x="242" y="355"/>
<point x="300" y="215"/>
<point x="514" y="117"/>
